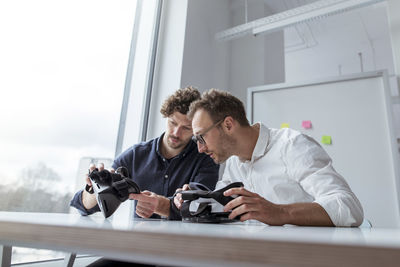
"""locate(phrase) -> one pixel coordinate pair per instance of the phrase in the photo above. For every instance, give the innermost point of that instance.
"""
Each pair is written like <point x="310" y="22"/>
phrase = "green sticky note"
<point x="326" y="139"/>
<point x="284" y="125"/>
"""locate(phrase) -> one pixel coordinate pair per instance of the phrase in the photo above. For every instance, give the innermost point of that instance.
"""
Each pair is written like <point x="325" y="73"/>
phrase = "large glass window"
<point x="63" y="66"/>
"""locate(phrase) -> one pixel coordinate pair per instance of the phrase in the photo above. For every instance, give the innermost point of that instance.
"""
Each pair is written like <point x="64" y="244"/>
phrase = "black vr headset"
<point x="111" y="189"/>
<point x="203" y="205"/>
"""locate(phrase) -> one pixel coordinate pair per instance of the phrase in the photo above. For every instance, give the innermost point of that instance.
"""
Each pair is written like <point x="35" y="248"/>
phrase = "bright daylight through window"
<point x="62" y="76"/>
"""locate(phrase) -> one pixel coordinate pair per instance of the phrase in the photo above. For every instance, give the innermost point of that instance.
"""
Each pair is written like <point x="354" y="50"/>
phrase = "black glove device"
<point x="111" y="189"/>
<point x="203" y="205"/>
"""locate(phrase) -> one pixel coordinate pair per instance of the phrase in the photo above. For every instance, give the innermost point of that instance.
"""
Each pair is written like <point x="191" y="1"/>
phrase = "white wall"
<point x="206" y="62"/>
<point x="255" y="60"/>
<point x="169" y="61"/>
<point x="394" y="25"/>
<point x="234" y="65"/>
<point x="339" y="40"/>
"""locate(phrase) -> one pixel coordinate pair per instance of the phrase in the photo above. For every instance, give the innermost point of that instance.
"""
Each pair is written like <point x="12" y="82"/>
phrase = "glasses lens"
<point x="194" y="138"/>
<point x="201" y="140"/>
<point x="198" y="138"/>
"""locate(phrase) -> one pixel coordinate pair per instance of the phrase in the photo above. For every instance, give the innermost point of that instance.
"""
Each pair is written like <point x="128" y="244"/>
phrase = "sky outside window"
<point x="62" y="74"/>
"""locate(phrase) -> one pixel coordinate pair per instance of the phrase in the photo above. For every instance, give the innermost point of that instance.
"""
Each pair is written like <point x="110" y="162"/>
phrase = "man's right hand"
<point x="149" y="203"/>
<point x="89" y="200"/>
<point x="178" y="197"/>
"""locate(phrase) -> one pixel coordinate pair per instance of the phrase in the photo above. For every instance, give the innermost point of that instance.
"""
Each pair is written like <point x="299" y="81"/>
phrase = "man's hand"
<point x="178" y="197"/>
<point x="149" y="203"/>
<point x="250" y="205"/>
<point x="89" y="200"/>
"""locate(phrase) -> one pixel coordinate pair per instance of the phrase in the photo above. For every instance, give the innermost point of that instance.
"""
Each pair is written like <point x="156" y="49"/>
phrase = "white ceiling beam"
<point x="315" y="10"/>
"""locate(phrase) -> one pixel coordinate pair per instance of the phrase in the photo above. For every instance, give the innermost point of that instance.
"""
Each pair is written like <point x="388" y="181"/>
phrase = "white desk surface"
<point x="191" y="244"/>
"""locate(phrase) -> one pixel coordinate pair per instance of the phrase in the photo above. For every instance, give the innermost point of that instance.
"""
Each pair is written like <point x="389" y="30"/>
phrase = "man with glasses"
<point x="288" y="177"/>
<point x="161" y="165"/>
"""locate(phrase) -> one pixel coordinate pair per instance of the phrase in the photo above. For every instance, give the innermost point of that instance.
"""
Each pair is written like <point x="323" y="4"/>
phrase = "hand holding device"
<point x="206" y="206"/>
<point x="111" y="189"/>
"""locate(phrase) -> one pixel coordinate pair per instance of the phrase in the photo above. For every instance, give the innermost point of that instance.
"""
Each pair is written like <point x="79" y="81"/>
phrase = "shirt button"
<point x="166" y="176"/>
<point x="163" y="160"/>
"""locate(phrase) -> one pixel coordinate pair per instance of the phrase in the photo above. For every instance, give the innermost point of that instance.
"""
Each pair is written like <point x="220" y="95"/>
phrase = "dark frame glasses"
<point x="199" y="137"/>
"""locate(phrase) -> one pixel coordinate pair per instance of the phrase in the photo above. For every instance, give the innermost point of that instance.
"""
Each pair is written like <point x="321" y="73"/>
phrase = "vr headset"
<point x="202" y="205"/>
<point x="111" y="189"/>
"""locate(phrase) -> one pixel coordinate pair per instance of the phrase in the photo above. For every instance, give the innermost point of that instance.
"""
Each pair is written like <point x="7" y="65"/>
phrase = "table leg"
<point x="69" y="260"/>
<point x="5" y="256"/>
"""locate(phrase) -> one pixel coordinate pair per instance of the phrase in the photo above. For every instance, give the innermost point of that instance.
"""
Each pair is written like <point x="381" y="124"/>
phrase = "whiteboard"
<point x="355" y="111"/>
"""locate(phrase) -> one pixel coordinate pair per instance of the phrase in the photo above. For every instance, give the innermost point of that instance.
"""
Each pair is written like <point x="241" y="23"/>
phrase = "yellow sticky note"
<point x="284" y="125"/>
<point x="326" y="139"/>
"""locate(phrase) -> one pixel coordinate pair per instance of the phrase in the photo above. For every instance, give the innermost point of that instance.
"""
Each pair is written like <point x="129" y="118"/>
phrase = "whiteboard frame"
<point x="383" y="74"/>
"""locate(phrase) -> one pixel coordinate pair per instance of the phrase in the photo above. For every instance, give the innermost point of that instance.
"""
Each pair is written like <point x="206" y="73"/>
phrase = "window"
<point x="63" y="67"/>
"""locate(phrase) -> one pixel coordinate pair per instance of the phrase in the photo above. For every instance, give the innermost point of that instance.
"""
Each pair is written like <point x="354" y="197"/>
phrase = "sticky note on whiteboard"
<point x="306" y="124"/>
<point x="284" y="125"/>
<point x="326" y="139"/>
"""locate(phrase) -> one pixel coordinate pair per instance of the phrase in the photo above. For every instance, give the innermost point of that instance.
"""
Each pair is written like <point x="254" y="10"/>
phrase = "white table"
<point x="188" y="244"/>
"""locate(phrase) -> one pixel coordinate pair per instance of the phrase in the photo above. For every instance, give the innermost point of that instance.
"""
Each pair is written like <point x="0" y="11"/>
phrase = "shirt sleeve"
<point x="174" y="212"/>
<point x="125" y="159"/>
<point x="311" y="167"/>
<point x="77" y="203"/>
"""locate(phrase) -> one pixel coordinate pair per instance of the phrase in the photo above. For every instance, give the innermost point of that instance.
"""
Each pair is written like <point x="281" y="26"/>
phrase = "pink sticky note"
<point x="306" y="124"/>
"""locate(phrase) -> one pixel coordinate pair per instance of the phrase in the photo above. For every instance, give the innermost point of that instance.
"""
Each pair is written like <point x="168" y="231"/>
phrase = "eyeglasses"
<point x="199" y="137"/>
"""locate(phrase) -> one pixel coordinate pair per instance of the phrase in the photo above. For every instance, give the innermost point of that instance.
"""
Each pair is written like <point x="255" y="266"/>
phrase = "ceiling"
<point x="364" y="25"/>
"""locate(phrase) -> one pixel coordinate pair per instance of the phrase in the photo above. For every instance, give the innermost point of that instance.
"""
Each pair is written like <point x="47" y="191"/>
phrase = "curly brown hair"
<point x="179" y="101"/>
<point x="220" y="104"/>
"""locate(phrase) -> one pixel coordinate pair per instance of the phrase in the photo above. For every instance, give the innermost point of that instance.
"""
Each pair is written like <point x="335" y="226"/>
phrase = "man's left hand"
<point x="178" y="198"/>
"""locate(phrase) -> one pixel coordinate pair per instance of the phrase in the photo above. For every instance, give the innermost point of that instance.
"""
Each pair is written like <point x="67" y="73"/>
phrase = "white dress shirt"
<point x="289" y="167"/>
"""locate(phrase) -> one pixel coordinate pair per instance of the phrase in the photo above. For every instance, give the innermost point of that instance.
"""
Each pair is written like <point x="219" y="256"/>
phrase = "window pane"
<point x="62" y="76"/>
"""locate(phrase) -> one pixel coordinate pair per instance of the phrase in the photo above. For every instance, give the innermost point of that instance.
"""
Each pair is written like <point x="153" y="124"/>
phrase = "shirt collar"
<point x="262" y="142"/>
<point x="158" y="143"/>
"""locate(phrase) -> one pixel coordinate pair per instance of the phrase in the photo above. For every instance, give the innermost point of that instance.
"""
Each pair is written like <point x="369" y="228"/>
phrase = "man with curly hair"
<point x="288" y="177"/>
<point x="163" y="164"/>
